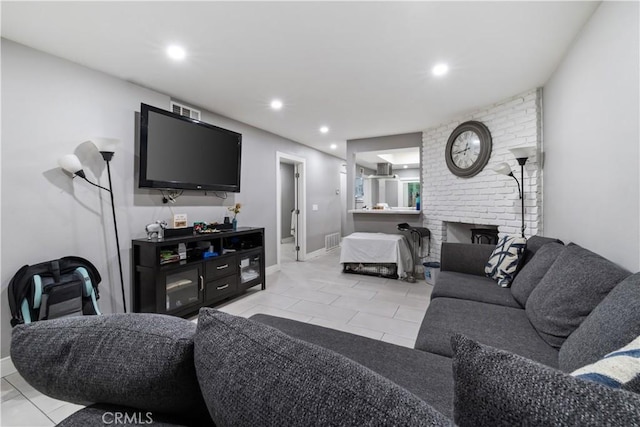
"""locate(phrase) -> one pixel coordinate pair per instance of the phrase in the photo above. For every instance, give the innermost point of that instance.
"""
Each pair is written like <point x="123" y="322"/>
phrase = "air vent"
<point x="331" y="241"/>
<point x="384" y="169"/>
<point x="184" y="110"/>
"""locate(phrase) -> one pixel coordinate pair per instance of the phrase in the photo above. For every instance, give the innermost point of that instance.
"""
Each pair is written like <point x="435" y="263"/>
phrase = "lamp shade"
<point x="523" y="152"/>
<point x="105" y="144"/>
<point x="70" y="163"/>
<point x="502" y="168"/>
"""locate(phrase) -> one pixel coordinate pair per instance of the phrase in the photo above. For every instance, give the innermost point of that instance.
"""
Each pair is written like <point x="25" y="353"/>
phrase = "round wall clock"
<point x="468" y="149"/>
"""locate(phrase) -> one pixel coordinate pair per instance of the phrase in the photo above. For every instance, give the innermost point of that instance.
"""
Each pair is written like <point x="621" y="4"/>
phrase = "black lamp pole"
<point x="521" y="162"/>
<point x="107" y="156"/>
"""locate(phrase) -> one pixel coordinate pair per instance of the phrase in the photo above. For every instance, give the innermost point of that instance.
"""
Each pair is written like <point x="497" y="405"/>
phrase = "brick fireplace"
<point x="487" y="199"/>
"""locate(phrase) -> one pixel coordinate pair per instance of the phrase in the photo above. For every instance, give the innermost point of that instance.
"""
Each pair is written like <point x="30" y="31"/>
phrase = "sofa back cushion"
<point x="254" y="375"/>
<point x="531" y="274"/>
<point x="612" y="324"/>
<point x="536" y="242"/>
<point x="465" y="258"/>
<point x="574" y="285"/>
<point x="497" y="388"/>
<point x="143" y="361"/>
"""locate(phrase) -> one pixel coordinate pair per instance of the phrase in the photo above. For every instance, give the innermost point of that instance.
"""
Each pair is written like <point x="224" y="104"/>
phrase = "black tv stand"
<point x="176" y="275"/>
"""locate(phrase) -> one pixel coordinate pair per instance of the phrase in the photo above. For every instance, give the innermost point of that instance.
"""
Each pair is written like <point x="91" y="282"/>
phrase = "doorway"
<point x="343" y="199"/>
<point x="290" y="208"/>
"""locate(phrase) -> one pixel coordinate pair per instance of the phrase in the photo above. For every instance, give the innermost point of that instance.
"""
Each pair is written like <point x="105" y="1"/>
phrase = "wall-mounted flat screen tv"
<point x="177" y="152"/>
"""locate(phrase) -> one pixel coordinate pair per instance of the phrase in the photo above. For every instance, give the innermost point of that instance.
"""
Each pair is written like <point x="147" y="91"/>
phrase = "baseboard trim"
<point x="6" y="366"/>
<point x="319" y="252"/>
<point x="272" y="269"/>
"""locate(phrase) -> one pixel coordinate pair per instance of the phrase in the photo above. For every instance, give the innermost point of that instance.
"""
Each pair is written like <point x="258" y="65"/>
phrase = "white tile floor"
<point x="315" y="291"/>
<point x="22" y="405"/>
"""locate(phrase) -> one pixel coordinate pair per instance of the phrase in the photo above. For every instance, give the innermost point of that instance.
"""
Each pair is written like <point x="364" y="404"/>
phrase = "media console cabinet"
<point x="177" y="275"/>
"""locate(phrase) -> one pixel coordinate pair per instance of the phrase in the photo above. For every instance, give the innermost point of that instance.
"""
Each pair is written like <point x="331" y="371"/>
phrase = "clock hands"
<point x="465" y="149"/>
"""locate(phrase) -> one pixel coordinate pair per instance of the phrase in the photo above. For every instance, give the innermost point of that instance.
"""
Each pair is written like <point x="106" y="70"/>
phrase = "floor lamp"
<point x="521" y="154"/>
<point x="71" y="164"/>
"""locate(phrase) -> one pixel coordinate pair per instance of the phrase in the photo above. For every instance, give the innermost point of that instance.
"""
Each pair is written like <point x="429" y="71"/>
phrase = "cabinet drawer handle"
<point x="222" y="267"/>
<point x="222" y="287"/>
<point x="201" y="283"/>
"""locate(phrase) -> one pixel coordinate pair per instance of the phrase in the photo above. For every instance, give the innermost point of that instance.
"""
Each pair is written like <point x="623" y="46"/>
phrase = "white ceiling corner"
<point x="361" y="68"/>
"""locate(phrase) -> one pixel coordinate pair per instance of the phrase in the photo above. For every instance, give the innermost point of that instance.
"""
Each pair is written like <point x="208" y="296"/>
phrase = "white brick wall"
<point x="487" y="198"/>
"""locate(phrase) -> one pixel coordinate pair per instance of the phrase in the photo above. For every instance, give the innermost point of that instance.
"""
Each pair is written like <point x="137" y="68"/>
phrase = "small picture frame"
<point x="179" y="220"/>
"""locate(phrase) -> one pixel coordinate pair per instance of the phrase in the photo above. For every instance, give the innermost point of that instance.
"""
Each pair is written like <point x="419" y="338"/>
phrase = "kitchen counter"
<point x="395" y="211"/>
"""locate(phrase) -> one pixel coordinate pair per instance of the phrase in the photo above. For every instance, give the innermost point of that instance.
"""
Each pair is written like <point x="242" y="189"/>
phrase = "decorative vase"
<point x="234" y="224"/>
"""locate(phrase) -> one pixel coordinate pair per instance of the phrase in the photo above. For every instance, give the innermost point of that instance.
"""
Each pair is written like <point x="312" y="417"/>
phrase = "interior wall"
<point x="51" y="107"/>
<point x="591" y="138"/>
<point x="365" y="200"/>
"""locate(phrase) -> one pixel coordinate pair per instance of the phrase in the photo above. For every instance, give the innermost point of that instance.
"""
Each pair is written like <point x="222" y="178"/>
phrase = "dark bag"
<point x="59" y="288"/>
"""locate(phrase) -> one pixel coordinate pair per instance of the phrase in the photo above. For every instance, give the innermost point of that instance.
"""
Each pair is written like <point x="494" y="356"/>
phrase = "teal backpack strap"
<point x="37" y="291"/>
<point x="26" y="314"/>
<point x="88" y="289"/>
<point x="37" y="299"/>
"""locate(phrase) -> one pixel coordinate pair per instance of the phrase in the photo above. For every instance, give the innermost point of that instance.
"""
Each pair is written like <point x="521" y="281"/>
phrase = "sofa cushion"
<point x="505" y="260"/>
<point x="612" y="324"/>
<point x="531" y="274"/>
<point x="494" y="387"/>
<point x="139" y="360"/>
<point x="573" y="286"/>
<point x="534" y="243"/>
<point x="618" y="369"/>
<point x="504" y="327"/>
<point x="102" y="414"/>
<point x="426" y="375"/>
<point x="253" y="374"/>
<point x="465" y="257"/>
<point x="451" y="284"/>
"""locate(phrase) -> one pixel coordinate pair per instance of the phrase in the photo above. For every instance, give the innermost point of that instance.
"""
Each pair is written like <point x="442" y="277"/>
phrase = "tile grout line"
<point x="28" y="400"/>
<point x="396" y="312"/>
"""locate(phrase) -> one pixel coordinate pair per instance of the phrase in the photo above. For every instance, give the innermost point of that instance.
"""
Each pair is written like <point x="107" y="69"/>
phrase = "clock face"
<point x="468" y="149"/>
<point x="465" y="149"/>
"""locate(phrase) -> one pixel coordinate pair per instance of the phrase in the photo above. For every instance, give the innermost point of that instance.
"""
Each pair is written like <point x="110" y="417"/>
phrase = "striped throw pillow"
<point x="618" y="369"/>
<point x="505" y="259"/>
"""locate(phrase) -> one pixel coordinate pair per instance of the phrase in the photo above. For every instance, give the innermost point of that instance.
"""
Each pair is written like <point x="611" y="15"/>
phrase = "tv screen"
<point x="177" y="152"/>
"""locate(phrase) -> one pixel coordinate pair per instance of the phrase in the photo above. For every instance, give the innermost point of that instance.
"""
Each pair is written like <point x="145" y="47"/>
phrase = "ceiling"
<point x="363" y="69"/>
<point x="398" y="157"/>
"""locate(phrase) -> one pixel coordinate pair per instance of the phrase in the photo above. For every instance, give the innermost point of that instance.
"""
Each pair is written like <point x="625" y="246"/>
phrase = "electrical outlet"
<point x="314" y="207"/>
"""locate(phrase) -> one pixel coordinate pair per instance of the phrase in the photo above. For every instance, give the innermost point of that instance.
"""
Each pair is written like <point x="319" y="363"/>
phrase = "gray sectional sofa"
<point x="484" y="355"/>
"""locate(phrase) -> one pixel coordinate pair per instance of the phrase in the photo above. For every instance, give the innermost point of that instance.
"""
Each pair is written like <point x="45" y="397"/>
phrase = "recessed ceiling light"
<point x="334" y="146"/>
<point x="440" y="70"/>
<point x="276" y="104"/>
<point x="324" y="129"/>
<point x="406" y="166"/>
<point x="176" y="52"/>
